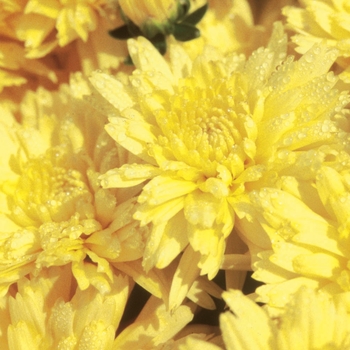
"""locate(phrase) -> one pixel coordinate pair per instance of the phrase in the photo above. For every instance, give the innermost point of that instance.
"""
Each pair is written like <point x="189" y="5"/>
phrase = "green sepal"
<point x="121" y="33"/>
<point x="195" y="16"/>
<point x="159" y="42"/>
<point x="128" y="61"/>
<point x="183" y="8"/>
<point x="185" y="32"/>
<point x="127" y="31"/>
<point x="134" y="29"/>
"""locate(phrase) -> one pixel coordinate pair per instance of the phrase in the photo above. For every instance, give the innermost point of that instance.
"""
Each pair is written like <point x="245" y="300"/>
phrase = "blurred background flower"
<point x="326" y="20"/>
<point x="43" y="42"/>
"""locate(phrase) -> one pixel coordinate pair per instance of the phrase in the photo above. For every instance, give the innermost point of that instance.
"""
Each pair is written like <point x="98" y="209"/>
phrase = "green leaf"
<point x="195" y="16"/>
<point x="185" y="32"/>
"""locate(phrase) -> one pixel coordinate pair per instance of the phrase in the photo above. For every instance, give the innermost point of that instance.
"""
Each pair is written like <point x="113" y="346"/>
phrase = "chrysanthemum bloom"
<point x="229" y="26"/>
<point x="308" y="226"/>
<point x="322" y="20"/>
<point x="43" y="27"/>
<point x="49" y="312"/>
<point x="15" y="68"/>
<point x="53" y="211"/>
<point x="43" y="42"/>
<point x="310" y="321"/>
<point x="211" y="131"/>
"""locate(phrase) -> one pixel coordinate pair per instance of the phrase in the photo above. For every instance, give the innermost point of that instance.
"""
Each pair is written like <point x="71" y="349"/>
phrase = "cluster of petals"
<point x="125" y="172"/>
<point x="41" y="42"/>
<point x="322" y="20"/>
<point x="209" y="132"/>
<point x="309" y="321"/>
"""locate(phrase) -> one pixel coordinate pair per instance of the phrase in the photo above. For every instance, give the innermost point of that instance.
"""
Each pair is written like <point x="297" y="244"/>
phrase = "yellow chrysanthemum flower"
<point x="15" y="68"/>
<point x="211" y="131"/>
<point x="310" y="321"/>
<point x="308" y="227"/>
<point x="48" y="25"/>
<point x="42" y="42"/>
<point x="44" y="314"/>
<point x="48" y="312"/>
<point x="322" y="20"/>
<point x="53" y="211"/>
<point x="228" y="26"/>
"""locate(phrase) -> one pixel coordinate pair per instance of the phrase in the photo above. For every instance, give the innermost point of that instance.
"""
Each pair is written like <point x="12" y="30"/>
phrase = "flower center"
<point x="205" y="127"/>
<point x="49" y="191"/>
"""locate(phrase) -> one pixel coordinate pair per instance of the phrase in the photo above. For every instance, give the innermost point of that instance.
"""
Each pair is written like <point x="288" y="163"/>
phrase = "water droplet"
<point x="99" y="83"/>
<point x="325" y="128"/>
<point x="317" y="50"/>
<point x="121" y="137"/>
<point x="342" y="199"/>
<point x="288" y="141"/>
<point x="331" y="77"/>
<point x="136" y="82"/>
<point x="283" y="154"/>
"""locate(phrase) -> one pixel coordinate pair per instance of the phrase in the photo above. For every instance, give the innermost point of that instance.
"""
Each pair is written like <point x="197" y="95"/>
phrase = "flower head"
<point x="49" y="312"/>
<point x="15" y="68"/>
<point x="212" y="130"/>
<point x="308" y="228"/>
<point x="322" y="20"/>
<point x="46" y="314"/>
<point x="311" y="321"/>
<point x="42" y="42"/>
<point x="45" y="26"/>
<point x="53" y="210"/>
<point x="230" y="26"/>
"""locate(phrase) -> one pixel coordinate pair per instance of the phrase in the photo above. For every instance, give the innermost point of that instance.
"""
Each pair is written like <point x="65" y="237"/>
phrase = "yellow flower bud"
<point x="152" y="16"/>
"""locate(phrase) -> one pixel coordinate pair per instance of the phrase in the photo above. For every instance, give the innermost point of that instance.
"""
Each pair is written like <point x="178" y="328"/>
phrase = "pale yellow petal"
<point x="185" y="274"/>
<point x="146" y="58"/>
<point x="154" y="326"/>
<point x="112" y="89"/>
<point x="128" y="175"/>
<point x="249" y="327"/>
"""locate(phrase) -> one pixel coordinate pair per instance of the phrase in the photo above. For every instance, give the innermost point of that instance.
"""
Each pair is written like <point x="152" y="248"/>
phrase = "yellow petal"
<point x="154" y="326"/>
<point x="249" y="327"/>
<point x="185" y="274"/>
